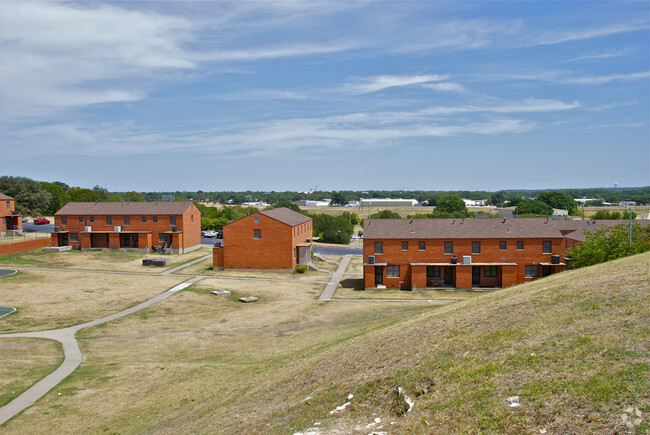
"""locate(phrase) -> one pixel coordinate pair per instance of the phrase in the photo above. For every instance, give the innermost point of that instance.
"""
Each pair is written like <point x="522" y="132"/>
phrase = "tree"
<point x="497" y="198"/>
<point x="31" y="198"/>
<point x="533" y="207"/>
<point x="609" y="243"/>
<point x="385" y="214"/>
<point x="332" y="229"/>
<point x="450" y="206"/>
<point x="351" y="216"/>
<point x="59" y="196"/>
<point x="338" y="198"/>
<point x="559" y="200"/>
<point x="133" y="197"/>
<point x="288" y="204"/>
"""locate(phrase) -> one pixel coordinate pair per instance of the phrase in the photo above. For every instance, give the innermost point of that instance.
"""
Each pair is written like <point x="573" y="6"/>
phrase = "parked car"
<point x="41" y="221"/>
<point x="210" y="233"/>
<point x="219" y="234"/>
<point x="24" y="220"/>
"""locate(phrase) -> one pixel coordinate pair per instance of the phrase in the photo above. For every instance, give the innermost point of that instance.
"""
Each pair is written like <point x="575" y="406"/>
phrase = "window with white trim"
<point x="422" y="246"/>
<point x="449" y="247"/>
<point x="379" y="247"/>
<point x="476" y="247"/>
<point x="405" y="246"/>
<point x="257" y="234"/>
<point x="546" y="247"/>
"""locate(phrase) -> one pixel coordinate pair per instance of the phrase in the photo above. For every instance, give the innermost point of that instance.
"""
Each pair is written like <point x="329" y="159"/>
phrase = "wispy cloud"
<point x="599" y="80"/>
<point x="557" y="37"/>
<point x="365" y="85"/>
<point x="601" y="55"/>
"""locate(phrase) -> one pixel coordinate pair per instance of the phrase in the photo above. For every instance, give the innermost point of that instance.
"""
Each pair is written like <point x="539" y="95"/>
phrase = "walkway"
<point x="336" y="278"/>
<point x="71" y="351"/>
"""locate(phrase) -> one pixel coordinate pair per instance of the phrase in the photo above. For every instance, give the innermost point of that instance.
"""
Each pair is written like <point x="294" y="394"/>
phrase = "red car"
<point x="41" y="221"/>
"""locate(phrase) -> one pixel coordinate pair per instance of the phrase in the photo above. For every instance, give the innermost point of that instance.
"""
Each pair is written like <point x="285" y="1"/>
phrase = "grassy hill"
<point x="574" y="348"/>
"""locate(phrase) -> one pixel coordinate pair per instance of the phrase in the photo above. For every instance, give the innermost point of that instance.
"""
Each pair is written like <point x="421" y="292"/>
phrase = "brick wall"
<point x="188" y="225"/>
<point x="27" y="245"/>
<point x="274" y="249"/>
<point x="394" y="253"/>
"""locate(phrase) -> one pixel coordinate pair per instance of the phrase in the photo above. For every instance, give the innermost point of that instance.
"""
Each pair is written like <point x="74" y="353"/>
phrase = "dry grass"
<point x="98" y="260"/>
<point x="205" y="268"/>
<point x="55" y="299"/>
<point x="23" y="362"/>
<point x="574" y="347"/>
<point x="142" y="372"/>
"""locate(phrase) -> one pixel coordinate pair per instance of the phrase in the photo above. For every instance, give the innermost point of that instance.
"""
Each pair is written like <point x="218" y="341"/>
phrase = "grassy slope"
<point x="574" y="347"/>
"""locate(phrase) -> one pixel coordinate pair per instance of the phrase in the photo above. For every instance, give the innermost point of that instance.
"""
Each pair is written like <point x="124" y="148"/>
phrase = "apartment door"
<point x="379" y="275"/>
<point x="449" y="275"/>
<point x="64" y="239"/>
<point x="476" y="276"/>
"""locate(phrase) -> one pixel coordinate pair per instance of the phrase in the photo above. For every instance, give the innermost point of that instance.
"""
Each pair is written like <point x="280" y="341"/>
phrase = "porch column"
<point x="418" y="276"/>
<point x="464" y="276"/>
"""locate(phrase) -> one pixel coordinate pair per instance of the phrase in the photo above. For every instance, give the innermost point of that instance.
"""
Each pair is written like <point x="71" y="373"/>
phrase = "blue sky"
<point x="426" y="95"/>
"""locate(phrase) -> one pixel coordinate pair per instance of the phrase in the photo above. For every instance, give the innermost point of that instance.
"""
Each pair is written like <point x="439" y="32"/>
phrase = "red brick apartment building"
<point x="467" y="253"/>
<point x="279" y="238"/>
<point x="128" y="226"/>
<point x="10" y="220"/>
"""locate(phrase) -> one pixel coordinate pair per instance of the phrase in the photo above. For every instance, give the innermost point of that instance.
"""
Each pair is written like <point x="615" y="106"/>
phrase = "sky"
<point x="334" y="95"/>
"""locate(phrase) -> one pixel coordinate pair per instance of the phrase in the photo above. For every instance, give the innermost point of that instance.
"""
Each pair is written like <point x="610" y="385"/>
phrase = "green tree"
<point x="288" y="204"/>
<point x="351" y="216"/>
<point x="559" y="200"/>
<point x="385" y="214"/>
<point x="133" y="197"/>
<point x="80" y="194"/>
<point x="533" y="207"/>
<point x="31" y="198"/>
<point x="58" y="196"/>
<point x="450" y="206"/>
<point x="610" y="243"/>
<point x="332" y="229"/>
<point x="338" y="198"/>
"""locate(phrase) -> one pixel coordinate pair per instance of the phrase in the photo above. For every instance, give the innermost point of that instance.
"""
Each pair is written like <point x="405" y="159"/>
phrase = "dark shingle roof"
<point x="4" y="197"/>
<point x="477" y="228"/>
<point x="123" y="208"/>
<point x="286" y="216"/>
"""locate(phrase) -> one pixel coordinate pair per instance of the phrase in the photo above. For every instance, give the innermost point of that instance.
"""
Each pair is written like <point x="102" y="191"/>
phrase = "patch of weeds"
<point x="18" y="258"/>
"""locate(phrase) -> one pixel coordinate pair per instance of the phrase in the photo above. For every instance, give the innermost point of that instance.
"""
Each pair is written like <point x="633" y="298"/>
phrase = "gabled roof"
<point x="124" y="208"/>
<point x="286" y="216"/>
<point x="4" y="197"/>
<point x="479" y="228"/>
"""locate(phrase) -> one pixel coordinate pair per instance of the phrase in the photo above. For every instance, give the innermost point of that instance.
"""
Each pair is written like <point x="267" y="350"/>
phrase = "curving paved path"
<point x="73" y="356"/>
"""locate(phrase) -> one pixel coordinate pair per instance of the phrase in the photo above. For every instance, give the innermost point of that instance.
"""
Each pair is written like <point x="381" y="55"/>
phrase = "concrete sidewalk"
<point x="72" y="352"/>
<point x="336" y="279"/>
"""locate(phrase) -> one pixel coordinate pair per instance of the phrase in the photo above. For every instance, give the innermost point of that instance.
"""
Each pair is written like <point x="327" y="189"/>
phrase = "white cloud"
<point x="599" y="80"/>
<point x="557" y="37"/>
<point x="62" y="55"/>
<point x="364" y="85"/>
<point x="601" y="54"/>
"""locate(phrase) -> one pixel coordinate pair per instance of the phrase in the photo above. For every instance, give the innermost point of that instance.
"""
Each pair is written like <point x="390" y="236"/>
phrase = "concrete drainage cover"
<point x="248" y="299"/>
<point x="220" y="292"/>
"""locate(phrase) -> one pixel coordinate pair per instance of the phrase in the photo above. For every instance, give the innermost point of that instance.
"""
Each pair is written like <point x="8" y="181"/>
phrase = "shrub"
<point x="300" y="269"/>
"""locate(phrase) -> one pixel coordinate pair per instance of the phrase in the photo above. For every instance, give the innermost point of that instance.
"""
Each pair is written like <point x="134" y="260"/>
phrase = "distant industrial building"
<point x="387" y="202"/>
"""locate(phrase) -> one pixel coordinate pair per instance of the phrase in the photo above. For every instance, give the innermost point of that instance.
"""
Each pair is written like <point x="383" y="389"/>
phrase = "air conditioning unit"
<point x="555" y="259"/>
<point x="467" y="259"/>
<point x="117" y="229"/>
<point x="88" y="229"/>
<point x="371" y="259"/>
<point x="57" y="229"/>
<point x="174" y="229"/>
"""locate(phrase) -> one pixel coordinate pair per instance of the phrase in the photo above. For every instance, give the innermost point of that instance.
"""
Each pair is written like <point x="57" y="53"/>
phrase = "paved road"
<point x="337" y="250"/>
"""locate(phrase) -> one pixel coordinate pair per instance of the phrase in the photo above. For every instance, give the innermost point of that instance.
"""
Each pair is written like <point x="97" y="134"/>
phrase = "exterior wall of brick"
<point x="137" y="232"/>
<point x="276" y="247"/>
<point x="412" y="260"/>
<point x="26" y="245"/>
<point x="9" y="219"/>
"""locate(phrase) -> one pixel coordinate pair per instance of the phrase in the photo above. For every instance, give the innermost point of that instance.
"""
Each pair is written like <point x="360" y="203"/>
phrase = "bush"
<point x="300" y="269"/>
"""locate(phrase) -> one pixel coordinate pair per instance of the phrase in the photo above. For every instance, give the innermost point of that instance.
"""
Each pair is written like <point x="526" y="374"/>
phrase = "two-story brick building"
<point x="467" y="253"/>
<point x="128" y="226"/>
<point x="10" y="220"/>
<point x="279" y="238"/>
